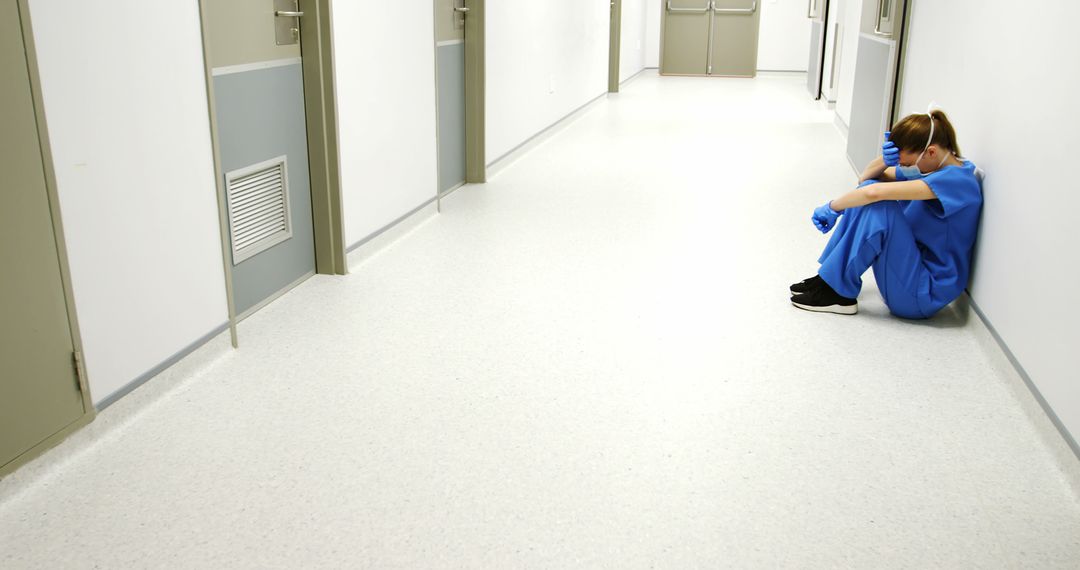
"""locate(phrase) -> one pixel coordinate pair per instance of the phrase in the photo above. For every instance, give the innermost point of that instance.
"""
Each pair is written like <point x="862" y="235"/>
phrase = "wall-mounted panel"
<point x="1011" y="117"/>
<point x="386" y="111"/>
<point x="544" y="61"/>
<point x="145" y="258"/>
<point x="633" y="44"/>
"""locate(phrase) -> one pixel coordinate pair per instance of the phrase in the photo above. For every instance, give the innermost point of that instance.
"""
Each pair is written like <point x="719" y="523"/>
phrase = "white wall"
<point x="632" y="38"/>
<point x="654" y="10"/>
<point x="125" y="99"/>
<point x="784" y="35"/>
<point x="386" y="111"/>
<point x="1012" y="100"/>
<point x="544" y="61"/>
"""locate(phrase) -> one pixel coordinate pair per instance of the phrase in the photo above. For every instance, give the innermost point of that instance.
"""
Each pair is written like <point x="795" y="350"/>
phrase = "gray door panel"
<point x="870" y="101"/>
<point x="875" y="79"/>
<point x="451" y="63"/>
<point x="260" y="116"/>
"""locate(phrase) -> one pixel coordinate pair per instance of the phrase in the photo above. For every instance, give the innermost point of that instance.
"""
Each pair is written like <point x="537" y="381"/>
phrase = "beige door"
<point x="39" y="387"/>
<point x="710" y="37"/>
<point x="734" y="38"/>
<point x="685" y="49"/>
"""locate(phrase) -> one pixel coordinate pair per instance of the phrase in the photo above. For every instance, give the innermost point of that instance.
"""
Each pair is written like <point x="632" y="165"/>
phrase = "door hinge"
<point x="76" y="357"/>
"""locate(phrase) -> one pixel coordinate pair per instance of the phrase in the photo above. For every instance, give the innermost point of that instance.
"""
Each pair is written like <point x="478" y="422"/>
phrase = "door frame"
<point x="475" y="93"/>
<point x="89" y="413"/>
<point x="614" y="46"/>
<point x="320" y="104"/>
<point x="324" y="173"/>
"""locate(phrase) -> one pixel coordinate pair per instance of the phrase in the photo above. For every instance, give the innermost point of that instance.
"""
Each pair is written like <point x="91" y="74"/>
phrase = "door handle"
<point x="810" y="8"/>
<point x="688" y="10"/>
<point x="884" y="15"/>
<point x="462" y="9"/>
<point x="753" y="8"/>
<point x="287" y="22"/>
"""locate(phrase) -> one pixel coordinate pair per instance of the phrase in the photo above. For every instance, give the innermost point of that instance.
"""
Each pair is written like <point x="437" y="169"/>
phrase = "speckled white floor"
<point x="589" y="362"/>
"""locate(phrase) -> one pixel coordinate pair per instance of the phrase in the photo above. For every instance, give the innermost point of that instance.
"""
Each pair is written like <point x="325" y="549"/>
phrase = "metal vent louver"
<point x="259" y="215"/>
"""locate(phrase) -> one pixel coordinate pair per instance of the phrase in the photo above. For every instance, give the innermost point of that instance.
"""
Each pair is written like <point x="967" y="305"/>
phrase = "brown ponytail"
<point x="910" y="133"/>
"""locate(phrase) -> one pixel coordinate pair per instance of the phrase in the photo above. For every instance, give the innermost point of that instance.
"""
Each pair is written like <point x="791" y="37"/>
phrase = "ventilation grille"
<point x="259" y="216"/>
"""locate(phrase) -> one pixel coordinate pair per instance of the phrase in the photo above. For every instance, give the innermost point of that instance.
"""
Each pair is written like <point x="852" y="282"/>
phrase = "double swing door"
<point x="716" y="38"/>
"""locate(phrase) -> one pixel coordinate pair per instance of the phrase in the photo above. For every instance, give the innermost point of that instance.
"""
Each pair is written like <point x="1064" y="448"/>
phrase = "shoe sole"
<point x="835" y="309"/>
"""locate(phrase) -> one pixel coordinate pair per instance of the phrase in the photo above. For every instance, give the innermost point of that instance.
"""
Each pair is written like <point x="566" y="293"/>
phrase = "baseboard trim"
<point x="123" y="407"/>
<point x="632" y="77"/>
<point x="167" y="363"/>
<point x="840" y="124"/>
<point x="1070" y="441"/>
<point x="537" y="139"/>
<point x="451" y="190"/>
<point x="274" y="297"/>
<point x="366" y="248"/>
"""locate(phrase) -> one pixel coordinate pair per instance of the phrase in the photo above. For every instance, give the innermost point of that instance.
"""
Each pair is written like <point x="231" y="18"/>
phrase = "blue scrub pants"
<point x="877" y="235"/>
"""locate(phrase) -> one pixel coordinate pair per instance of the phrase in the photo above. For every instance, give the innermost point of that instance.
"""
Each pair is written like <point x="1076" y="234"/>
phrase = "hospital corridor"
<point x="589" y="361"/>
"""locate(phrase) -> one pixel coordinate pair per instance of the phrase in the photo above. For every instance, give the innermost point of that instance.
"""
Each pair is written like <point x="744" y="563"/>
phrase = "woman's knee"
<point x="908" y="308"/>
<point x="884" y="207"/>
<point x="878" y="214"/>
<point x="907" y="313"/>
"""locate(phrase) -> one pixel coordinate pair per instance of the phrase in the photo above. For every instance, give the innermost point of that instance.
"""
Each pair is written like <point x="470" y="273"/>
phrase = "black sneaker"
<point x="825" y="299"/>
<point x="805" y="285"/>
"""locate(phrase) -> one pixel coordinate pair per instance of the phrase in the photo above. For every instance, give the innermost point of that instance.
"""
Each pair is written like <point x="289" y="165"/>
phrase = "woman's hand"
<point x="889" y="153"/>
<point x="825" y="217"/>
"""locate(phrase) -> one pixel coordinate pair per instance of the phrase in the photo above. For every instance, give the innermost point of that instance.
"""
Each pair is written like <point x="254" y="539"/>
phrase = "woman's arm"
<point x="877" y="170"/>
<point x="872" y="170"/>
<point x="906" y="190"/>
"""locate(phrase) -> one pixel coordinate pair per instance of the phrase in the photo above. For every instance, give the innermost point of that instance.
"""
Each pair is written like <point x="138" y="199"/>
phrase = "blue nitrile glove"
<point x="825" y="217"/>
<point x="889" y="152"/>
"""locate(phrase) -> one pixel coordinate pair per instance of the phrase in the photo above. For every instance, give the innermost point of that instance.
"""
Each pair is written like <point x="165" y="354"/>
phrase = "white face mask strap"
<point x="930" y="140"/>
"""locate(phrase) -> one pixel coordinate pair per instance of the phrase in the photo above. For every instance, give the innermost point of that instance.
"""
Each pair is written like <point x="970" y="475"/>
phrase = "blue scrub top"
<point x="945" y="228"/>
